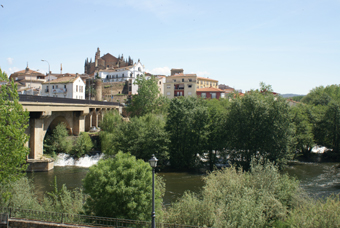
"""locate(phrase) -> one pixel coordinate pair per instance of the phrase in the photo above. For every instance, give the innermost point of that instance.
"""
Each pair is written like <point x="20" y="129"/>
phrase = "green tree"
<point x="187" y="126"/>
<point x="259" y="125"/>
<point x="303" y="129"/>
<point x="148" y="99"/>
<point x="331" y="121"/>
<point x="141" y="137"/>
<point x="83" y="145"/>
<point x="121" y="187"/>
<point x="217" y="135"/>
<point x="13" y="123"/>
<point x="58" y="141"/>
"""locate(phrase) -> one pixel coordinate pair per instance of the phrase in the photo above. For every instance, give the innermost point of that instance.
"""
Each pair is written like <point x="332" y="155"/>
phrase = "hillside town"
<point x="117" y="81"/>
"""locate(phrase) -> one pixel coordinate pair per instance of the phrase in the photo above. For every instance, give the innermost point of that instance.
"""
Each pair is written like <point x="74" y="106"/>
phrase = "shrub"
<point x="121" y="187"/>
<point x="83" y="145"/>
<point x="233" y="198"/>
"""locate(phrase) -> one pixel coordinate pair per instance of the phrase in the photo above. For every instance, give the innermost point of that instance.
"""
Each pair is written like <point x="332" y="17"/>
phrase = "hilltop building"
<point x="112" y="69"/>
<point x="28" y="81"/>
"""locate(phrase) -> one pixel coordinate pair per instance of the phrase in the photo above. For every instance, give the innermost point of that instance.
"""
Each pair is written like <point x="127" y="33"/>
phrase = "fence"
<point x="73" y="219"/>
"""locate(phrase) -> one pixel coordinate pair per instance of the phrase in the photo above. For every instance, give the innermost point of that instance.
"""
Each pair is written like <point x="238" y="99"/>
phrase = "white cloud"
<point x="202" y="73"/>
<point x="160" y="71"/>
<point x="10" y="60"/>
<point x="12" y="70"/>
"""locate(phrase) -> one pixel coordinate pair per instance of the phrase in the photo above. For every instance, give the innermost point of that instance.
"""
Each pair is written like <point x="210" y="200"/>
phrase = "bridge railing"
<point x="86" y="220"/>
<point x="42" y="99"/>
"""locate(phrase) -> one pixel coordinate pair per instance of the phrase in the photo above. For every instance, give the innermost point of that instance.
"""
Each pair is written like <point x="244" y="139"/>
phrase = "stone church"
<point x="107" y="61"/>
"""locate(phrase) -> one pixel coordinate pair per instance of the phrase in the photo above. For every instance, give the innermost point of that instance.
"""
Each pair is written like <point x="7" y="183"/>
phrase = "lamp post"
<point x="49" y="79"/>
<point x="153" y="164"/>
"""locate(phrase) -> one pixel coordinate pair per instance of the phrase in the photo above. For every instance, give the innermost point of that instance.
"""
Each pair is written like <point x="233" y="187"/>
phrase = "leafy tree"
<point x="331" y="121"/>
<point x="303" y="131"/>
<point x="141" y="136"/>
<point x="259" y="125"/>
<point x="322" y="95"/>
<point x="148" y="99"/>
<point x="13" y="123"/>
<point x="216" y="138"/>
<point x="187" y="126"/>
<point x="121" y="187"/>
<point x="58" y="141"/>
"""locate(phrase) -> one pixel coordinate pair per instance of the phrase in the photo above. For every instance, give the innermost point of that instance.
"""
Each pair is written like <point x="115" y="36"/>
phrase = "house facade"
<point x="206" y="83"/>
<point x="179" y="85"/>
<point x="65" y="87"/>
<point x="210" y="93"/>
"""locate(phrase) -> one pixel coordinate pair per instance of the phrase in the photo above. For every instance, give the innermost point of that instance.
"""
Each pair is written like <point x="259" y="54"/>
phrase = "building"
<point x="65" y="87"/>
<point x="104" y="62"/>
<point x="180" y="84"/>
<point x="28" y="81"/>
<point x="206" y="83"/>
<point x="210" y="93"/>
<point x="226" y="88"/>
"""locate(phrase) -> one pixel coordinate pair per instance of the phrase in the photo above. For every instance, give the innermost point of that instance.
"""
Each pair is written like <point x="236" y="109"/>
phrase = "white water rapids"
<point x="86" y="161"/>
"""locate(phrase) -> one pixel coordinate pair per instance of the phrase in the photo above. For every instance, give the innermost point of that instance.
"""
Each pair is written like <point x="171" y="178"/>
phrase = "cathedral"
<point x="107" y="61"/>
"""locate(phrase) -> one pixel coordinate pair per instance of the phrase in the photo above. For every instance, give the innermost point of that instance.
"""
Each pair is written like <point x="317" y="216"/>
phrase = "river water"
<point x="318" y="179"/>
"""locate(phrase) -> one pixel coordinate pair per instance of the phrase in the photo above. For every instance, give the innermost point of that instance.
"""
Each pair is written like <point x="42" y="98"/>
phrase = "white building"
<point x="122" y="74"/>
<point x="65" y="87"/>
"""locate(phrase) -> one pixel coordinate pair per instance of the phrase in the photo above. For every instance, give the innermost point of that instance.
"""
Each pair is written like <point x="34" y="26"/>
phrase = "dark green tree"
<point x="303" y="129"/>
<point x="141" y="136"/>
<point x="259" y="125"/>
<point x="121" y="187"/>
<point x="13" y="123"/>
<point x="187" y="126"/>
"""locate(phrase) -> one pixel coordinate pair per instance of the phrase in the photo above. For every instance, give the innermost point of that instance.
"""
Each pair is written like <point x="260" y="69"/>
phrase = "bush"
<point x="316" y="213"/>
<point x="121" y="187"/>
<point x="83" y="145"/>
<point x="232" y="198"/>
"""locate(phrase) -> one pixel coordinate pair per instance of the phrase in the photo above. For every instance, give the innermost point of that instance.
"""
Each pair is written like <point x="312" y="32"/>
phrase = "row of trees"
<point x="193" y="130"/>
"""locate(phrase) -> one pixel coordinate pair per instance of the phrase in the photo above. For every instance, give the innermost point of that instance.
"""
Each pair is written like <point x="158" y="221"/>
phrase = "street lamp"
<point x="153" y="164"/>
<point x="49" y="79"/>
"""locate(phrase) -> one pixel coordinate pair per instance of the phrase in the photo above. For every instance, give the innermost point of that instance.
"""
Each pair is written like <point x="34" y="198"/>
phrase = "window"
<point x="174" y="80"/>
<point x="168" y="93"/>
<point x="52" y="87"/>
<point x="160" y="82"/>
<point x="64" y="86"/>
<point x="213" y="95"/>
<point x="189" y="86"/>
<point x="189" y="93"/>
<point x="130" y="75"/>
<point x="190" y="80"/>
<point x="56" y="86"/>
<point x="76" y="88"/>
<point x="203" y="95"/>
<point x="168" y="86"/>
<point x="182" y="79"/>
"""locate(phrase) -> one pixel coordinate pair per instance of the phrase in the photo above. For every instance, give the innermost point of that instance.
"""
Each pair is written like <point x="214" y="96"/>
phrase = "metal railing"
<point x="73" y="219"/>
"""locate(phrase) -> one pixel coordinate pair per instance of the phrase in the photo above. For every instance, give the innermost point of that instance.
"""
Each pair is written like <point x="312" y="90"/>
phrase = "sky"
<point x="292" y="45"/>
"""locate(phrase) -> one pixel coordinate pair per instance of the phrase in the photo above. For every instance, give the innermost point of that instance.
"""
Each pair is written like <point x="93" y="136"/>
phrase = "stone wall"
<point x="21" y="223"/>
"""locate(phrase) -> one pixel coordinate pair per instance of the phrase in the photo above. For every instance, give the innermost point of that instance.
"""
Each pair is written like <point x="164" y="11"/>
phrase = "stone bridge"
<point x="45" y="113"/>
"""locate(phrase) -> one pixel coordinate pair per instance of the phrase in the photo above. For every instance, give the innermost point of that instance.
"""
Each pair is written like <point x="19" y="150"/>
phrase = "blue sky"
<point x="292" y="45"/>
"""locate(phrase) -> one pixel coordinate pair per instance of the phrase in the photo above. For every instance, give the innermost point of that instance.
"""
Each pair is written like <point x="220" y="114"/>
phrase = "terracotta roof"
<point x="210" y="89"/>
<point x="183" y="75"/>
<point x="202" y="78"/>
<point x="62" y="80"/>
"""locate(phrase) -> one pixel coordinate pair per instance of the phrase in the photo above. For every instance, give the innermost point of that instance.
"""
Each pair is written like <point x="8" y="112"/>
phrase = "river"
<point x="318" y="179"/>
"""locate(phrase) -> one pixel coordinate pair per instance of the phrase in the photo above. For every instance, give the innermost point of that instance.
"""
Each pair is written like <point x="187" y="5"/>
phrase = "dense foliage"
<point x="60" y="142"/>
<point x="233" y="198"/>
<point x="259" y="125"/>
<point x="148" y="98"/>
<point x="121" y="187"/>
<point x="141" y="136"/>
<point x="13" y="123"/>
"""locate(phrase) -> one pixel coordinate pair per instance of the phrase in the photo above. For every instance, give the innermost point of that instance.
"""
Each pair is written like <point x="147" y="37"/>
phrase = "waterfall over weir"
<point x="86" y="161"/>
